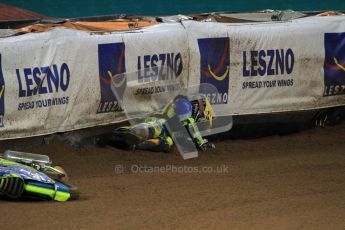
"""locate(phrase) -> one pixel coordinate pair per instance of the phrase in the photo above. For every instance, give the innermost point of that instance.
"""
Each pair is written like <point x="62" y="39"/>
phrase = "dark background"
<point x="79" y="8"/>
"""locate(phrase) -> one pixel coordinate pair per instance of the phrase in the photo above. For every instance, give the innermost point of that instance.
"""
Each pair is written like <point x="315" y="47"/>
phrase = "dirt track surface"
<point x="281" y="182"/>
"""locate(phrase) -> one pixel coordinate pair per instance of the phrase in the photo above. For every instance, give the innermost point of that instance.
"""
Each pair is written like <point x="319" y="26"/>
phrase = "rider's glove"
<point x="207" y="145"/>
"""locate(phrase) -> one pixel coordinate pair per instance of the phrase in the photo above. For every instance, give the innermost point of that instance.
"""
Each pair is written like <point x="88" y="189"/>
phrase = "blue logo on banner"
<point x="334" y="66"/>
<point x="215" y="66"/>
<point x="111" y="58"/>
<point x="2" y="95"/>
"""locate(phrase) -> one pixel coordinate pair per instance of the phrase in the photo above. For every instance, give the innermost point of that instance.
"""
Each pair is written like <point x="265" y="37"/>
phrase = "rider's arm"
<point x="194" y="131"/>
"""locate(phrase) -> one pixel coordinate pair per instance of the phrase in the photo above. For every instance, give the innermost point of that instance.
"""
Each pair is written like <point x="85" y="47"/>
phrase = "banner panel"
<point x="273" y="67"/>
<point x="60" y="80"/>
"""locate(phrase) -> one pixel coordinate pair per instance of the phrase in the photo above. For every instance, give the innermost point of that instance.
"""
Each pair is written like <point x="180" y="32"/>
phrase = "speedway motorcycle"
<point x="32" y="176"/>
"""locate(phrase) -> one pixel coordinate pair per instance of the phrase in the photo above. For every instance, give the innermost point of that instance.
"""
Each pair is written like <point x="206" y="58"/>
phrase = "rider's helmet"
<point x="182" y="107"/>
